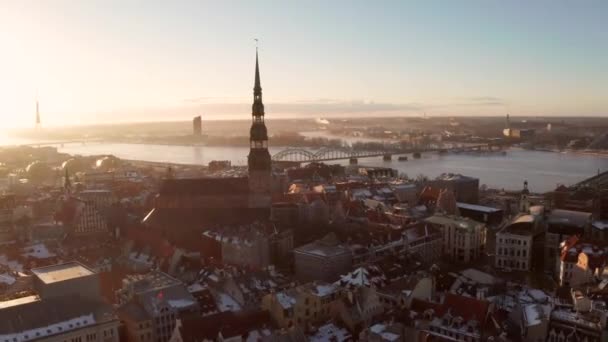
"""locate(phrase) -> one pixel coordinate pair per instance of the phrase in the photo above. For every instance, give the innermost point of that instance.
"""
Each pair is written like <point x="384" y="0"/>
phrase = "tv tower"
<point x="37" y="115"/>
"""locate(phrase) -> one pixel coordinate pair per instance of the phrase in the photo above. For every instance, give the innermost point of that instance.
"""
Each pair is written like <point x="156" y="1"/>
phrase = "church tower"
<point x="524" y="199"/>
<point x="259" y="161"/>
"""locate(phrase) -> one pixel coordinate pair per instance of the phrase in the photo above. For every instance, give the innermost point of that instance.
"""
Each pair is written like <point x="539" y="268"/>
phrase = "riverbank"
<point x="543" y="170"/>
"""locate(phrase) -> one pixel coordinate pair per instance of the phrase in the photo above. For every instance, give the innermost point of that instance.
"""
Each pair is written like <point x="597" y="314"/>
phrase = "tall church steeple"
<point x="257" y="109"/>
<point x="259" y="161"/>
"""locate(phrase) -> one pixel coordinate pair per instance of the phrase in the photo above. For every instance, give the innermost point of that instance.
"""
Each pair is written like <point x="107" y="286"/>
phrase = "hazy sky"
<point x="129" y="60"/>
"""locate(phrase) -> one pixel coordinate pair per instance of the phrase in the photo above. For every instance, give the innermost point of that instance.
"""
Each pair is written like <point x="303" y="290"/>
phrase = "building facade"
<point x="464" y="240"/>
<point x="466" y="189"/>
<point x="151" y="303"/>
<point x="68" y="307"/>
<point x="561" y="224"/>
<point x="303" y="305"/>
<point x="580" y="261"/>
<point x="424" y="240"/>
<point x="324" y="259"/>
<point x="514" y="244"/>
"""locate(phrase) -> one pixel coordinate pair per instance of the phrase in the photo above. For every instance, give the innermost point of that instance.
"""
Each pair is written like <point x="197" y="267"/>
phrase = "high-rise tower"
<point x="259" y="160"/>
<point x="37" y="115"/>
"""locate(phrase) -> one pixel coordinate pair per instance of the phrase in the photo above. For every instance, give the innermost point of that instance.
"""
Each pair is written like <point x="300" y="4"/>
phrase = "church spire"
<point x="257" y="88"/>
<point x="259" y="160"/>
<point x="257" y="109"/>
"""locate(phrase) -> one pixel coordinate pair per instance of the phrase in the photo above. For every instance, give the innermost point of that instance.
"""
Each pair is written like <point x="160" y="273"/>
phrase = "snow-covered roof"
<point x="330" y="332"/>
<point x="226" y="303"/>
<point x="7" y="279"/>
<point x="479" y="277"/>
<point x="534" y="314"/>
<point x="286" y="300"/>
<point x="476" y="207"/>
<point x="361" y="277"/>
<point x="258" y="335"/>
<point x="323" y="290"/>
<point x="380" y="329"/>
<point x="61" y="272"/>
<point x="601" y="225"/>
<point x="576" y="319"/>
<point x="50" y="330"/>
<point x="196" y="287"/>
<point x="38" y="251"/>
<point x="11" y="264"/>
<point x="141" y="258"/>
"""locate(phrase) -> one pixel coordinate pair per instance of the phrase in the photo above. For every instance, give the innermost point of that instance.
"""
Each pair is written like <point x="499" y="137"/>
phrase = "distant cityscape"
<point x="304" y="241"/>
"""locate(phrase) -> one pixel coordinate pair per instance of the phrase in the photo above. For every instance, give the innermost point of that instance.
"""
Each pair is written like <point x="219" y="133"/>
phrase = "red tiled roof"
<point x="205" y="186"/>
<point x="144" y="237"/>
<point x="229" y="324"/>
<point x="467" y="307"/>
<point x="420" y="306"/>
<point x="429" y="194"/>
<point x="68" y="210"/>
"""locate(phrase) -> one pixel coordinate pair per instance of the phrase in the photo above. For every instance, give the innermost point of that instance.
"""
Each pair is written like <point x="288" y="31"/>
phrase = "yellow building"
<point x="306" y="304"/>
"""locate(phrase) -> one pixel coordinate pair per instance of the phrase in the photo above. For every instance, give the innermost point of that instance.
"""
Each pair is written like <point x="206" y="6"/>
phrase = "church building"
<point x="187" y="204"/>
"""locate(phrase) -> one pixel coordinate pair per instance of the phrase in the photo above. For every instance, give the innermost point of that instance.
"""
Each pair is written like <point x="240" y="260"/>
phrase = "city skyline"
<point x="99" y="62"/>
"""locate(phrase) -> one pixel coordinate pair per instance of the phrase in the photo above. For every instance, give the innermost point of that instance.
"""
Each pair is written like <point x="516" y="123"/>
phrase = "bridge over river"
<point x="331" y="153"/>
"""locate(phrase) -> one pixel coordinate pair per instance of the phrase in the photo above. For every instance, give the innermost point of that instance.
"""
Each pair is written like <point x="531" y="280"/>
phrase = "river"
<point x="543" y="170"/>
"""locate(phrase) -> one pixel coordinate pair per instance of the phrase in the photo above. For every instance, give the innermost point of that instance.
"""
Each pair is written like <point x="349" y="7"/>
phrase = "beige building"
<point x="306" y="304"/>
<point x="464" y="240"/>
<point x="514" y="244"/>
<point x="68" y="307"/>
